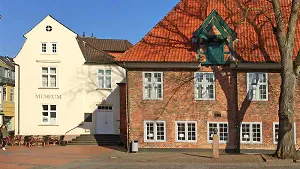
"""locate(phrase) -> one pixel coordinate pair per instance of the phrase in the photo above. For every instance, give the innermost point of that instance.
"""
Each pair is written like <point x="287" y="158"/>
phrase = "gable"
<point x="49" y="21"/>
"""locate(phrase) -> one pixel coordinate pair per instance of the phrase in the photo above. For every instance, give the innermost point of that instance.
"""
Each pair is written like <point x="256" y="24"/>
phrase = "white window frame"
<point x="52" y="43"/>
<point x="251" y="133"/>
<point x="204" y="84"/>
<point x="218" y="127"/>
<point x="153" y="83"/>
<point x="49" y="114"/>
<point x="274" y="133"/>
<point x="186" y="131"/>
<point x="104" y="78"/>
<point x="155" y="131"/>
<point x="257" y="94"/>
<point x="49" y="75"/>
<point x="41" y="49"/>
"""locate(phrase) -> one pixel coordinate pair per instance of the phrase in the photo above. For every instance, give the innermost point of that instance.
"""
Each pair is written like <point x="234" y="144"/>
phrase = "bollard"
<point x="216" y="153"/>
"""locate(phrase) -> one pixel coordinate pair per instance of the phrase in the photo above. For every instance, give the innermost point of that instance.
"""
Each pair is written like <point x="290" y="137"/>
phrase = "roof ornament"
<point x="83" y="34"/>
<point x="92" y="35"/>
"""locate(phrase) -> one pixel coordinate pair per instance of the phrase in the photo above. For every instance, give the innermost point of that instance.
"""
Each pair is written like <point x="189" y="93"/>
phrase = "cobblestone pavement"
<point x="94" y="157"/>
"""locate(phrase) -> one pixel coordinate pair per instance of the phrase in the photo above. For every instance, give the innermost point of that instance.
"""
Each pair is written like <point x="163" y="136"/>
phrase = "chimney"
<point x="83" y="35"/>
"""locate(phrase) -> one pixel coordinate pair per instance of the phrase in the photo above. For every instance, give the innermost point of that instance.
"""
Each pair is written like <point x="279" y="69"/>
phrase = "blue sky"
<point x="119" y="19"/>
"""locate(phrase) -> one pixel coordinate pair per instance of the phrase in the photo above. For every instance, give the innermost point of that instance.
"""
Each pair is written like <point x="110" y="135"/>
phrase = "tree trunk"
<point x="286" y="144"/>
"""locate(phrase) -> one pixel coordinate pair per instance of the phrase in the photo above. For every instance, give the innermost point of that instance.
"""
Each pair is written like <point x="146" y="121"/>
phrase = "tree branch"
<point x="280" y="31"/>
<point x="297" y="64"/>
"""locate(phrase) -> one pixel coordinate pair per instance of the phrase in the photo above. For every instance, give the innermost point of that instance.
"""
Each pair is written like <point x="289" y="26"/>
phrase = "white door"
<point x="104" y="123"/>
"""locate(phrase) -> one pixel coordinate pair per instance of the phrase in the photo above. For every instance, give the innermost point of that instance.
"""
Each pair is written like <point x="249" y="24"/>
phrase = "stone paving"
<point x="93" y="157"/>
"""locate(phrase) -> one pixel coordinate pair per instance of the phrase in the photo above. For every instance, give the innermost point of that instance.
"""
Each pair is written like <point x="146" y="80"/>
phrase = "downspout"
<point x="18" y="98"/>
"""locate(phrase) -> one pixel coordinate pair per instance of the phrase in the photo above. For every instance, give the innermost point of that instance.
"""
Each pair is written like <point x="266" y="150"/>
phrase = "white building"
<point x="67" y="83"/>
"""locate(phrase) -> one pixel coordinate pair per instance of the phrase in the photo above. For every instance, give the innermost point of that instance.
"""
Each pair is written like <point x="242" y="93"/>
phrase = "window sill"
<point x="48" y="53"/>
<point x="204" y="99"/>
<point x="154" y="141"/>
<point x="48" y="125"/>
<point x="181" y="141"/>
<point x="153" y="99"/>
<point x="104" y="89"/>
<point x="48" y="88"/>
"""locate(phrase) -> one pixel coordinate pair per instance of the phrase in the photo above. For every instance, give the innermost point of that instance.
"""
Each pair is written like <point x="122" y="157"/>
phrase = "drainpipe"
<point x="18" y="97"/>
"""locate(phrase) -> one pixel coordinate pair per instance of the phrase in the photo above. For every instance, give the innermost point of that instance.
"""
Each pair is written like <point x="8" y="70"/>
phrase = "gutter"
<point x="255" y="66"/>
<point x="18" y="97"/>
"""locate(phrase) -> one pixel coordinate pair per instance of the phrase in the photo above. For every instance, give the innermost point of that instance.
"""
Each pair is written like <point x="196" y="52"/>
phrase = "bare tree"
<point x="285" y="33"/>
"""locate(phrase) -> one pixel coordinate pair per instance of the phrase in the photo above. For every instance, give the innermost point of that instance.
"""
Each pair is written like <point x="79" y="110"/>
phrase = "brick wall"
<point x="178" y="104"/>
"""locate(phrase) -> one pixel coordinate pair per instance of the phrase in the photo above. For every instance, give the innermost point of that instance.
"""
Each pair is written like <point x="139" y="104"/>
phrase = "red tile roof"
<point x="170" y="39"/>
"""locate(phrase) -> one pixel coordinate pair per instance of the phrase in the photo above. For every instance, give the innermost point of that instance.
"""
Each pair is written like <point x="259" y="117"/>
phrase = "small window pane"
<point x="45" y="70"/>
<point x="53" y="70"/>
<point x="53" y="107"/>
<point x="108" y="72"/>
<point x="88" y="117"/>
<point x="45" y="107"/>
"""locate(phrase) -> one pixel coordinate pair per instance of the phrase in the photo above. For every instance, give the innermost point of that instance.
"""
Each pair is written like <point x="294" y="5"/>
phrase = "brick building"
<point x="206" y="65"/>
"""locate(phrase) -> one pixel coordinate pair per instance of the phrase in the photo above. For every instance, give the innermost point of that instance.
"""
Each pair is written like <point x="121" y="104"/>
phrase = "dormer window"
<point x="215" y="40"/>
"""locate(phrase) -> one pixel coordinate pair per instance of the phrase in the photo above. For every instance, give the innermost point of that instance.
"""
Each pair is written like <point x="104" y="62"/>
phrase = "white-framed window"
<point x="223" y="131"/>
<point x="49" y="77"/>
<point x="43" y="47"/>
<point x="12" y="95"/>
<point x="186" y="131"/>
<point x="4" y="93"/>
<point x="49" y="113"/>
<point x="251" y="132"/>
<point x="54" y="47"/>
<point x="275" y="132"/>
<point x="104" y="79"/>
<point x="152" y="85"/>
<point x="13" y="75"/>
<point x="257" y="86"/>
<point x="154" y="131"/>
<point x="204" y="86"/>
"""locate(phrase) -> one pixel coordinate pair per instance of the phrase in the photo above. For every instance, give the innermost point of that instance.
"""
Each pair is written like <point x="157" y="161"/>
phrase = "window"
<point x="54" y="47"/>
<point x="88" y="117"/>
<point x="154" y="131"/>
<point x="7" y="73"/>
<point x="49" y="77"/>
<point x="275" y="132"/>
<point x="204" y="86"/>
<point x="12" y="95"/>
<point x="251" y="132"/>
<point x="152" y="85"/>
<point x="44" y="47"/>
<point x="105" y="108"/>
<point x="104" y="79"/>
<point x="257" y="85"/>
<point x="13" y="75"/>
<point x="222" y="128"/>
<point x="48" y="28"/>
<point x="4" y="94"/>
<point x="186" y="131"/>
<point x="49" y="114"/>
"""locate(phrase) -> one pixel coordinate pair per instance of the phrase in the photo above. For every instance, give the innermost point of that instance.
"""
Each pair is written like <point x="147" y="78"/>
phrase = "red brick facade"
<point x="178" y="104"/>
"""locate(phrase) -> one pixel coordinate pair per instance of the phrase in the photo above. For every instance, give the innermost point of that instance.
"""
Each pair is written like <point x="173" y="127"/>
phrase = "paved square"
<point x="95" y="157"/>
